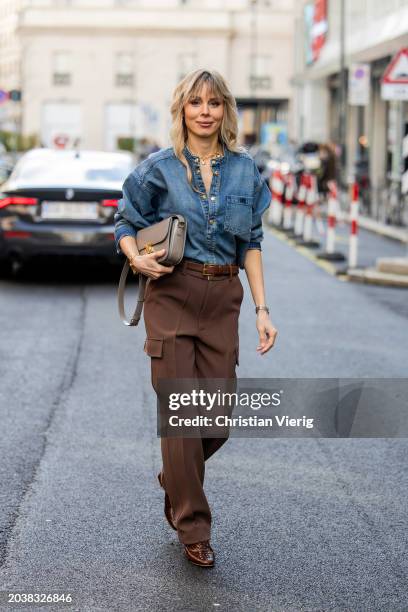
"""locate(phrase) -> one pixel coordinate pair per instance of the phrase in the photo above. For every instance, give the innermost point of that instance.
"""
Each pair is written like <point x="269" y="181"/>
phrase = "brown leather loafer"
<point x="200" y="553"/>
<point x="168" y="512"/>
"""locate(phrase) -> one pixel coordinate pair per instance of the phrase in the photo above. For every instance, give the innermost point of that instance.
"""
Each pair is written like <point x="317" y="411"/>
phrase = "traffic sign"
<point x="394" y="84"/>
<point x="61" y="140"/>
<point x="4" y="96"/>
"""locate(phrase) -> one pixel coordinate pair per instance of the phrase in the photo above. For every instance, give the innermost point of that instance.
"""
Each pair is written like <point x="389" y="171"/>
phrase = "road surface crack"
<point x="67" y="382"/>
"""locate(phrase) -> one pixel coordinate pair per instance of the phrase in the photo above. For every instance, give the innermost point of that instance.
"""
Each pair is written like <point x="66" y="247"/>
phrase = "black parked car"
<point x="62" y="202"/>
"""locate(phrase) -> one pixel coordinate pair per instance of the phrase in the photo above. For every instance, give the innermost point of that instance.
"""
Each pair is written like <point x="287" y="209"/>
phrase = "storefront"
<point x="369" y="132"/>
<point x="263" y="121"/>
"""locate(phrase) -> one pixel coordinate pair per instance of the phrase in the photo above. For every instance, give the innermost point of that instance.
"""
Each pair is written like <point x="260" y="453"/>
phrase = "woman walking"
<point x="192" y="309"/>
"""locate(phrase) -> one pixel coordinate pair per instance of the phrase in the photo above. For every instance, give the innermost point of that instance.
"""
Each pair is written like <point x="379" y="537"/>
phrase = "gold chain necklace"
<point x="206" y="157"/>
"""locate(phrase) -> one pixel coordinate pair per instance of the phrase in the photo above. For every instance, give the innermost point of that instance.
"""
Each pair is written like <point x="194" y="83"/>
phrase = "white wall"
<point x="219" y="39"/>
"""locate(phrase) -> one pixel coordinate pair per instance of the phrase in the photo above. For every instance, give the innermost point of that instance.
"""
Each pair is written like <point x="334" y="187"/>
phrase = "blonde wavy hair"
<point x="189" y="87"/>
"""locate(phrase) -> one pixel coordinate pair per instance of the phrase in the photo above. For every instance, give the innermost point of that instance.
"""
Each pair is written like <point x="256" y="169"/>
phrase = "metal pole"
<point x="343" y="97"/>
<point x="252" y="49"/>
<point x="133" y="118"/>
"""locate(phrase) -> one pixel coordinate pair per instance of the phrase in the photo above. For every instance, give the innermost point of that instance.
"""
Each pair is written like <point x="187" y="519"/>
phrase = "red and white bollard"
<point x="289" y="193"/>
<point x="300" y="209"/>
<point x="332" y="212"/>
<point x="332" y="208"/>
<point x="277" y="187"/>
<point x="311" y="200"/>
<point x="353" y="241"/>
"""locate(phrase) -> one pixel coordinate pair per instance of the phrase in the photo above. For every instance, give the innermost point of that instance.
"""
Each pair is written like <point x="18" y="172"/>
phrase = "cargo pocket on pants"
<point x="153" y="347"/>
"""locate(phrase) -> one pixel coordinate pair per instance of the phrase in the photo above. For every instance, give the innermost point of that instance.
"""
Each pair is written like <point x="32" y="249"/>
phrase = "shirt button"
<point x="212" y="198"/>
<point x="211" y="220"/>
<point x="203" y="196"/>
<point x="216" y="173"/>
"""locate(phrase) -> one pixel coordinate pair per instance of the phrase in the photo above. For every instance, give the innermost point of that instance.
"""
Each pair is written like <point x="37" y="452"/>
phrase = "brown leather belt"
<point x="212" y="269"/>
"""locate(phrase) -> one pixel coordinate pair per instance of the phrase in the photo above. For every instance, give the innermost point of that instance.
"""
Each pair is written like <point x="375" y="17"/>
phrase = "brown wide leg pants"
<point x="192" y="332"/>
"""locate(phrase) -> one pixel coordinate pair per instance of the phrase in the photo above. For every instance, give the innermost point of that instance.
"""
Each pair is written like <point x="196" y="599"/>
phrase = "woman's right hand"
<point x="149" y="266"/>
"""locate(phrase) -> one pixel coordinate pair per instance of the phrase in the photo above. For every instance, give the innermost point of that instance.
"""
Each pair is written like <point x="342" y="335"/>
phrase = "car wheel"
<point x="6" y="267"/>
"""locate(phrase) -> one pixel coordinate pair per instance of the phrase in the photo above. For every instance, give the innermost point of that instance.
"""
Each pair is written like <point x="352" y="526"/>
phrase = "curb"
<point x="362" y="275"/>
<point x="374" y="277"/>
<point x="308" y="253"/>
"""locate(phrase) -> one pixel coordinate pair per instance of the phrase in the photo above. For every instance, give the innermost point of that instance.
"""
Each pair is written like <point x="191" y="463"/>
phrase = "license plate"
<point x="69" y="210"/>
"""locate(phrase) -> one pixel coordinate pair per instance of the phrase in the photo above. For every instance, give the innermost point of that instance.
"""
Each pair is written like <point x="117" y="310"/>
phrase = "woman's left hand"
<point x="267" y="332"/>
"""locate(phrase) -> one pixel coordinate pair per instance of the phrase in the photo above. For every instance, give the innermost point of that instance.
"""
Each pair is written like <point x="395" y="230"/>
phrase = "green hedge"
<point x="18" y="142"/>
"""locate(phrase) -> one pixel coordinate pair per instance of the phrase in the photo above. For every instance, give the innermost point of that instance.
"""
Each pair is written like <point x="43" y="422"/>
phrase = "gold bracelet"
<point x="130" y="262"/>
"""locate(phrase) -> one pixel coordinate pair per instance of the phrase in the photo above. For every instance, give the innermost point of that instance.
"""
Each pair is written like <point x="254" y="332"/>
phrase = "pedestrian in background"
<point x="192" y="309"/>
<point x="328" y="167"/>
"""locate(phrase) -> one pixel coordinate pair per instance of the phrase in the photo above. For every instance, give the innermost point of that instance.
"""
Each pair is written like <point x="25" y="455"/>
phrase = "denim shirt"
<point x="221" y="225"/>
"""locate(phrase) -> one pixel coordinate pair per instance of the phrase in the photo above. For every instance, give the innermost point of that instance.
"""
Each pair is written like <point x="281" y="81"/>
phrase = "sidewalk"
<point x="391" y="231"/>
<point x="377" y="243"/>
<point x="383" y="250"/>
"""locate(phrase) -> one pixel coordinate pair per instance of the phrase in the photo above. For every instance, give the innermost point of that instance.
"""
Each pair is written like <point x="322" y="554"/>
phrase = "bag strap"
<point x="143" y="280"/>
<point x="135" y="318"/>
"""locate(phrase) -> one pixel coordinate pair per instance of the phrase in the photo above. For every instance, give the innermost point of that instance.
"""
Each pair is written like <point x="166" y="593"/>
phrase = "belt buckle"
<point x="205" y="273"/>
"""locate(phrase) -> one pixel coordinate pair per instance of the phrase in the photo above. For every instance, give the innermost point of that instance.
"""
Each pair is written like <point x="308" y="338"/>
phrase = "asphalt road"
<point x="299" y="525"/>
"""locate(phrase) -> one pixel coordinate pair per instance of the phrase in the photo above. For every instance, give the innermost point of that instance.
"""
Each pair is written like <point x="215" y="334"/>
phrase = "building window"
<point x="186" y="63"/>
<point x="124" y="73"/>
<point x="261" y="71"/>
<point x="61" y="74"/>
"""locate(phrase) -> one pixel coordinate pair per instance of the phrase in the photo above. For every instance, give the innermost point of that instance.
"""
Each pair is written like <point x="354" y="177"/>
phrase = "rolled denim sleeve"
<point x="135" y="208"/>
<point x="262" y="200"/>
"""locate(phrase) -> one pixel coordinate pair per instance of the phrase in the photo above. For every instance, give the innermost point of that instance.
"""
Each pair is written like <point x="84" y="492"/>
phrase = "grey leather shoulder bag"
<point x="169" y="234"/>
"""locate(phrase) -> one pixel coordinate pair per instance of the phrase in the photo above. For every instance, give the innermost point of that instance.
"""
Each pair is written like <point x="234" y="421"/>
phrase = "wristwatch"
<point x="258" y="308"/>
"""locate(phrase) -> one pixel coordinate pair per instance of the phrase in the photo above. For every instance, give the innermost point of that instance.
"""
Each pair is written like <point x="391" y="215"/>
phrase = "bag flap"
<point x="153" y="234"/>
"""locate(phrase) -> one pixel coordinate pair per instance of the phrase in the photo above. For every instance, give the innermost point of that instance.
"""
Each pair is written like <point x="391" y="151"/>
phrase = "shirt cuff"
<point x="119" y="234"/>
<point x="255" y="245"/>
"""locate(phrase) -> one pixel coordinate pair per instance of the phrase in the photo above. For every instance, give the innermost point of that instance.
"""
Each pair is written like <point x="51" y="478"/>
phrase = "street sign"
<point x="394" y="84"/>
<point x="60" y="141"/>
<point x="4" y="96"/>
<point x="359" y="85"/>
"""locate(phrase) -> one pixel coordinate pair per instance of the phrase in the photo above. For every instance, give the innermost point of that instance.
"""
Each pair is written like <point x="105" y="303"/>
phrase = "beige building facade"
<point x="100" y="73"/>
